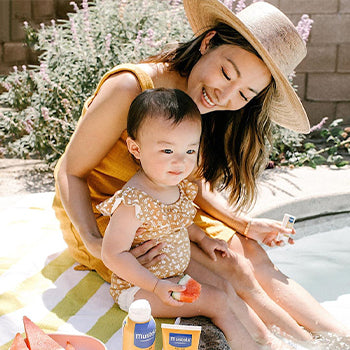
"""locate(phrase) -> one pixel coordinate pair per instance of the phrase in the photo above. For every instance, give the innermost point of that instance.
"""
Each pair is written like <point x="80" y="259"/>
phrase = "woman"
<point x="235" y="69"/>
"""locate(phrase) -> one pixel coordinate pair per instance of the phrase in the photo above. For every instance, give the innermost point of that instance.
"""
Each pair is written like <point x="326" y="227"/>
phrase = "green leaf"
<point x="319" y="160"/>
<point x="342" y="163"/>
<point x="312" y="164"/>
<point x="309" y="145"/>
<point x="335" y="123"/>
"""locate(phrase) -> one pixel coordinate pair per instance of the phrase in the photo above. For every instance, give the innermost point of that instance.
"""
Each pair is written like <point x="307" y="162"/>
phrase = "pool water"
<point x="320" y="262"/>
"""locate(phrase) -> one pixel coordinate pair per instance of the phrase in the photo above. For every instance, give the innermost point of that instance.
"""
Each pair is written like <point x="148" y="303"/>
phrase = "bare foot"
<point x="275" y="343"/>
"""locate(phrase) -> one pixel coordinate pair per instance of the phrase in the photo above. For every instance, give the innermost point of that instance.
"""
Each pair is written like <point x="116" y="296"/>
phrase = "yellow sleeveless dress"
<point x="110" y="176"/>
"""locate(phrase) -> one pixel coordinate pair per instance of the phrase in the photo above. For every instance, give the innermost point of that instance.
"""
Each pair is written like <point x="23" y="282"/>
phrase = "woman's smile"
<point x="207" y="98"/>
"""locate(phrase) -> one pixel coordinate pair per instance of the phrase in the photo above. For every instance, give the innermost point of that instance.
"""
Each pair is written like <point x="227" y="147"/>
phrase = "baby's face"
<point x="168" y="152"/>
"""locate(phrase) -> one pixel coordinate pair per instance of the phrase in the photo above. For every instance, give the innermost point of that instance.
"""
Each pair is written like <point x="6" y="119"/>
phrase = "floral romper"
<point x="161" y="222"/>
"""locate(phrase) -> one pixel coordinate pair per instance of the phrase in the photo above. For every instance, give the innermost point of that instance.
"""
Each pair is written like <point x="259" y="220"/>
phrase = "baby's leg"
<point x="212" y="303"/>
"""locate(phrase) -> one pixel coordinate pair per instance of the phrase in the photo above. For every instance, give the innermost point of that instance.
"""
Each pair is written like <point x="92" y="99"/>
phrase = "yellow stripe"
<point x="74" y="300"/>
<point x="35" y="285"/>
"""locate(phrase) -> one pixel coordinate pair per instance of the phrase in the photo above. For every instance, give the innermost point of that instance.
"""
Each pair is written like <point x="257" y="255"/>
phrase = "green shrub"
<point x="44" y="101"/>
<point x="324" y="145"/>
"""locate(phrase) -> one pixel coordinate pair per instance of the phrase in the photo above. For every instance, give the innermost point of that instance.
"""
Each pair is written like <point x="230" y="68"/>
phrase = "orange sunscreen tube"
<point x="180" y="337"/>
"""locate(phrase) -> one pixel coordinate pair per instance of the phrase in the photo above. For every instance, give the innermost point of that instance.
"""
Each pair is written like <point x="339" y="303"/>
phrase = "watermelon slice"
<point x="18" y="343"/>
<point x="69" y="346"/>
<point x="37" y="339"/>
<point x="192" y="291"/>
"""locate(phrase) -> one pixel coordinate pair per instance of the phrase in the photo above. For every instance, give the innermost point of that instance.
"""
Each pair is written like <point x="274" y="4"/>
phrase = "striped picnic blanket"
<point x="37" y="278"/>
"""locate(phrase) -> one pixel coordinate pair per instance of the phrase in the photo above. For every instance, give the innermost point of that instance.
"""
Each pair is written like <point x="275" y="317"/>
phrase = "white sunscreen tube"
<point x="288" y="222"/>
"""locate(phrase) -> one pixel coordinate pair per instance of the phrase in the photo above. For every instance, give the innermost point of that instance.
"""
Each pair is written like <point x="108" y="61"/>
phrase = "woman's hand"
<point x="163" y="290"/>
<point x="148" y="253"/>
<point x="266" y="231"/>
<point x="212" y="245"/>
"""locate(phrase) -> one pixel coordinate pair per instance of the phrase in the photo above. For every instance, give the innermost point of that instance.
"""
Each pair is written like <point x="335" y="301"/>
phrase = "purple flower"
<point x="6" y="86"/>
<point x="43" y="73"/>
<point x="75" y="6"/>
<point x="28" y="125"/>
<point x="240" y="6"/>
<point x="45" y="113"/>
<point x="137" y="41"/>
<point x="66" y="106"/>
<point x="229" y="4"/>
<point x="73" y="29"/>
<point x="55" y="33"/>
<point x="304" y="27"/>
<point x="149" y="40"/>
<point x="175" y="2"/>
<point x="108" y="42"/>
<point x="319" y="125"/>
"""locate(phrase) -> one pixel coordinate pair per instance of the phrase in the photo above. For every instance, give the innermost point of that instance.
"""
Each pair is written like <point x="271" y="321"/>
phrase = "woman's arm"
<point x="215" y="205"/>
<point x="261" y="230"/>
<point x="96" y="133"/>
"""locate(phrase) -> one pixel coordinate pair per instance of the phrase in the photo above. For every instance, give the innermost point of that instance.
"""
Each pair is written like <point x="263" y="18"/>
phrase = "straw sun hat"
<point x="276" y="40"/>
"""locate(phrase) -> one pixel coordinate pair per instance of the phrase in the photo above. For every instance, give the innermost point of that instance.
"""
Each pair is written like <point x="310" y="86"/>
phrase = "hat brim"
<point x="286" y="109"/>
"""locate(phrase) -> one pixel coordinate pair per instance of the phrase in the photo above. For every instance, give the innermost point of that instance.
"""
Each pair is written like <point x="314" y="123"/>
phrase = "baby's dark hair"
<point x="171" y="104"/>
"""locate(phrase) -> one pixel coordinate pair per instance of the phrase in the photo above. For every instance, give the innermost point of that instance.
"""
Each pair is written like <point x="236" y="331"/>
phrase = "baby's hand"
<point x="163" y="290"/>
<point x="212" y="245"/>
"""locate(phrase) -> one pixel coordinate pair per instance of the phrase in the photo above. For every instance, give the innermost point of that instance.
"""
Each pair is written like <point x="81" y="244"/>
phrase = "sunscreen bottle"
<point x="288" y="222"/>
<point x="139" y="327"/>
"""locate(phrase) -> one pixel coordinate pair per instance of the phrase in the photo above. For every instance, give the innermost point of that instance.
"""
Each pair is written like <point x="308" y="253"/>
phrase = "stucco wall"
<point x="323" y="78"/>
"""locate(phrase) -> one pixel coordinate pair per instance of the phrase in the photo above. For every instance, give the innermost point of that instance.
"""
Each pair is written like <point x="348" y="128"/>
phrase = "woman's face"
<point x="226" y="77"/>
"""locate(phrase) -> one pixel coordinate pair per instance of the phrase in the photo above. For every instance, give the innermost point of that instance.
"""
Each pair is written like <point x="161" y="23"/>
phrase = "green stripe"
<point x="108" y="324"/>
<point x="77" y="297"/>
<point x="159" y="338"/>
<point x="74" y="300"/>
<point x="35" y="285"/>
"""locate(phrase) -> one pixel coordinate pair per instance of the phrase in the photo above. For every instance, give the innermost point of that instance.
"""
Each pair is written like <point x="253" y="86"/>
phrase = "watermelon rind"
<point x="183" y="281"/>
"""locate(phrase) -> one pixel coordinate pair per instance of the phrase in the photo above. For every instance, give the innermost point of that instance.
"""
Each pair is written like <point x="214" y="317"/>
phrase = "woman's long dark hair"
<point x="234" y="143"/>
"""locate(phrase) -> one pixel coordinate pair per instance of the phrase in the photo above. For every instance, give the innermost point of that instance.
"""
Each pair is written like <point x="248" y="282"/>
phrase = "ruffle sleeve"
<point x="127" y="196"/>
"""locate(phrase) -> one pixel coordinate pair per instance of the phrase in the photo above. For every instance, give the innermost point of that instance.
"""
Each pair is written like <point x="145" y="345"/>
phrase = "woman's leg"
<point x="212" y="304"/>
<point x="239" y="272"/>
<point x="287" y="293"/>
<point x="256" y="328"/>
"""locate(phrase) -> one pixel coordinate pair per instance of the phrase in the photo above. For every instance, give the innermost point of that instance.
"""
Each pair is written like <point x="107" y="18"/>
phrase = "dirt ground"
<point x="19" y="176"/>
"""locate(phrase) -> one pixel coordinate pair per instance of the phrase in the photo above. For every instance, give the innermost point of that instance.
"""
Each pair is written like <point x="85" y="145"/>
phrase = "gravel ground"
<point x="18" y="176"/>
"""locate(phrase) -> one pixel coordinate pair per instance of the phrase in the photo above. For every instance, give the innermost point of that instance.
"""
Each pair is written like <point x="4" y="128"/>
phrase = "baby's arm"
<point x="117" y="242"/>
<point x="207" y="244"/>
